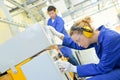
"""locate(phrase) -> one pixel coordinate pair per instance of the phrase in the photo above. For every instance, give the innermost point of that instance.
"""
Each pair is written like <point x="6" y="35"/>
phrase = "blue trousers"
<point x="72" y="60"/>
<point x="113" y="75"/>
<point x="68" y="54"/>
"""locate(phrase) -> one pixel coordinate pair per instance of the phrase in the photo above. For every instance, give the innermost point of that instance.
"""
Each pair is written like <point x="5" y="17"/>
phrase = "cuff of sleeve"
<point x="74" y="69"/>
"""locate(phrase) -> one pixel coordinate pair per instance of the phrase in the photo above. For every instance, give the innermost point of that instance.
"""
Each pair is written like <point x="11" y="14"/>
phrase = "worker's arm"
<point x="58" y="34"/>
<point x="108" y="60"/>
<point x="66" y="66"/>
<point x="67" y="41"/>
<point x="48" y="22"/>
<point x="106" y="64"/>
<point x="110" y="57"/>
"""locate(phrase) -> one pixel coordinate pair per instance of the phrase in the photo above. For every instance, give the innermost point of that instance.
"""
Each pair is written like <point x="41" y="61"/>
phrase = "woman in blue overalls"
<point x="107" y="46"/>
<point x="58" y="23"/>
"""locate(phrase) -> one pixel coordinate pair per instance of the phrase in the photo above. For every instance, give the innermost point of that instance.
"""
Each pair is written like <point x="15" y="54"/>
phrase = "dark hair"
<point x="50" y="8"/>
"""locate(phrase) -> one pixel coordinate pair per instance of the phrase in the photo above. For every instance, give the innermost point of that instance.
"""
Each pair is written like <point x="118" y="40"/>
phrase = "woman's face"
<point x="81" y="40"/>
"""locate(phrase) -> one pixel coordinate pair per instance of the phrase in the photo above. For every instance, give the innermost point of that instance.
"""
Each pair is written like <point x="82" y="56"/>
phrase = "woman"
<point x="107" y="46"/>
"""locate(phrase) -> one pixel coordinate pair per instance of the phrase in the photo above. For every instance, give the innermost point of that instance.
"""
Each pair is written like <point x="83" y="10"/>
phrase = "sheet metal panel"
<point x="42" y="67"/>
<point x="22" y="46"/>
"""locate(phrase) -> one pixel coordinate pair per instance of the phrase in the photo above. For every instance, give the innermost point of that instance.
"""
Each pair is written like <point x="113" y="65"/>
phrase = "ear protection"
<point x="87" y="31"/>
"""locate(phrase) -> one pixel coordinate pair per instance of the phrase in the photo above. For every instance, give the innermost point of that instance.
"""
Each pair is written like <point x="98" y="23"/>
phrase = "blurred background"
<point x="17" y="15"/>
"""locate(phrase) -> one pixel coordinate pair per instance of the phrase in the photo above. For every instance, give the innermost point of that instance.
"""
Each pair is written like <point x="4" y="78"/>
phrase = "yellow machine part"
<point x="6" y="77"/>
<point x="72" y="75"/>
<point x="19" y="75"/>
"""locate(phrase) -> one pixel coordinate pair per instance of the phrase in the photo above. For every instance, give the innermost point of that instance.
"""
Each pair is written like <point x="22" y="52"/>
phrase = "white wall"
<point x="107" y="17"/>
<point x="5" y="32"/>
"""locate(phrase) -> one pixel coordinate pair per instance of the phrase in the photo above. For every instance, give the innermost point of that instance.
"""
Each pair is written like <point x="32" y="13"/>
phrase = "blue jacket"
<point x="58" y="24"/>
<point x="107" y="50"/>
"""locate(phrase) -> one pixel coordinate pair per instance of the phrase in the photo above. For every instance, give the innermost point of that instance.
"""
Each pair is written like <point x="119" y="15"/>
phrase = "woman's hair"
<point x="50" y="8"/>
<point x="79" y="25"/>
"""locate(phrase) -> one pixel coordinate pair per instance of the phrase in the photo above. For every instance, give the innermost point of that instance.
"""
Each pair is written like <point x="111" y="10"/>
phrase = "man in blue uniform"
<point x="107" y="46"/>
<point x="58" y="23"/>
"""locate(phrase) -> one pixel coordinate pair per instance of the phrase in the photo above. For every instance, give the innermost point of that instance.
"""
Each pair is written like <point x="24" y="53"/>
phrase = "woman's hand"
<point x="66" y="66"/>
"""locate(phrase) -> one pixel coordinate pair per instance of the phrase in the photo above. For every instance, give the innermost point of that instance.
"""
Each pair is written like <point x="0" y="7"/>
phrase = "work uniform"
<point x="58" y="24"/>
<point x="108" y="51"/>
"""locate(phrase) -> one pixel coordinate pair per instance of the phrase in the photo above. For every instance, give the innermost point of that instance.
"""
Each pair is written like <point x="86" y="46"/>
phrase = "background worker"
<point x="107" y="46"/>
<point x="58" y="24"/>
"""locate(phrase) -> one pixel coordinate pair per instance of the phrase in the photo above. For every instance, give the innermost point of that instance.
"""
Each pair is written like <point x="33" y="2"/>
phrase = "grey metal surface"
<point x="22" y="46"/>
<point x="42" y="68"/>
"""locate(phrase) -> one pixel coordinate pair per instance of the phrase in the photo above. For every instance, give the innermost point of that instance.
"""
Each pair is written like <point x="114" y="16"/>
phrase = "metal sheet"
<point x="42" y="68"/>
<point x="22" y="46"/>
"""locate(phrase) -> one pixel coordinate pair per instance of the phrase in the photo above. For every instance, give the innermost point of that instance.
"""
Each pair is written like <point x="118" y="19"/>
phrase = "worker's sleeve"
<point x="60" y="25"/>
<point x="67" y="41"/>
<point x="110" y="56"/>
<point x="48" y="23"/>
